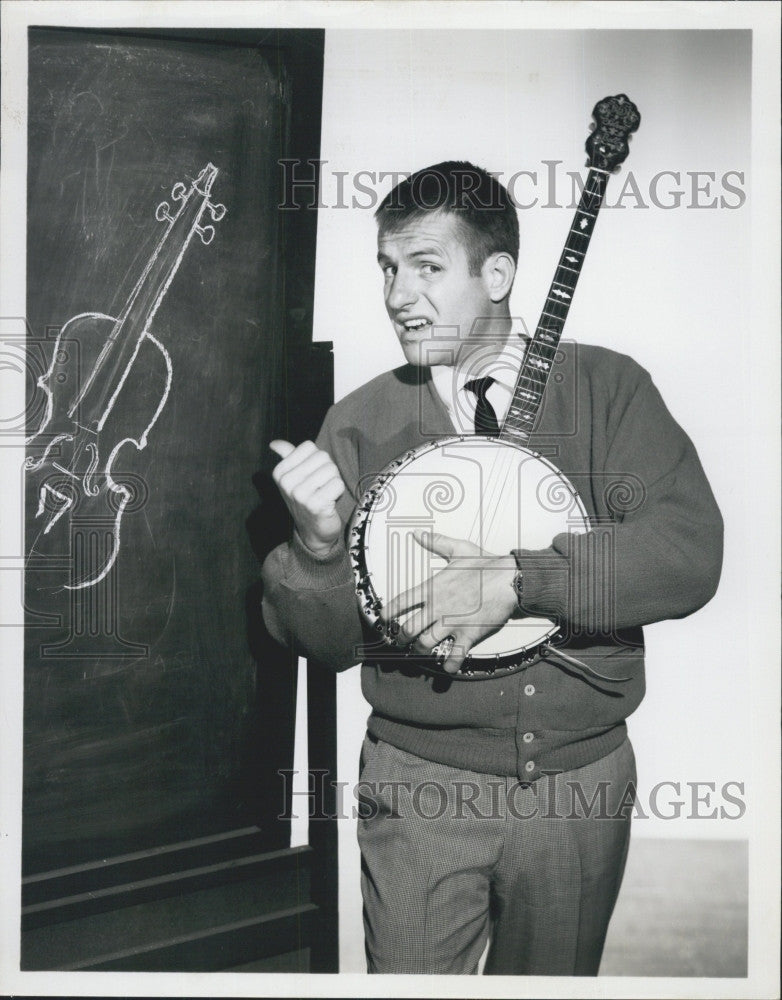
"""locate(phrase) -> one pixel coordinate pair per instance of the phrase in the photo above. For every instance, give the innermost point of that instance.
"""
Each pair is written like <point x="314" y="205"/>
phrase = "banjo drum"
<point x="494" y="491"/>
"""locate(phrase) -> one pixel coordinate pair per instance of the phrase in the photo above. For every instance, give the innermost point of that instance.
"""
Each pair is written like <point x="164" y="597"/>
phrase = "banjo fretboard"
<point x="541" y="351"/>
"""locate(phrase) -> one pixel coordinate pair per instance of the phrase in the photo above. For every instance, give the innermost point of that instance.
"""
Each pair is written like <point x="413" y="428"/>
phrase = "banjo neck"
<point x="607" y="147"/>
<point x="541" y="351"/>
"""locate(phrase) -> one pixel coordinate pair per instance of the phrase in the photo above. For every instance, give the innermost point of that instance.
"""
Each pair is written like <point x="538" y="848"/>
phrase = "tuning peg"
<point x="163" y="212"/>
<point x="207" y="234"/>
<point x="216" y="211"/>
<point x="178" y="191"/>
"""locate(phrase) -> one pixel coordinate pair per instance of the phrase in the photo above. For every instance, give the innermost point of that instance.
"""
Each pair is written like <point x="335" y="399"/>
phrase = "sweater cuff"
<point x="545" y="582"/>
<point x="309" y="571"/>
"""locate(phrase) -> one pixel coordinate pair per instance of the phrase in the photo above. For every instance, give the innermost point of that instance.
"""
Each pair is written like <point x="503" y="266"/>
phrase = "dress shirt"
<point x="503" y="367"/>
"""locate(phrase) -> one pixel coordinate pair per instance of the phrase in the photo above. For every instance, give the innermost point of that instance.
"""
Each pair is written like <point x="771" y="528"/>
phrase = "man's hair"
<point x="481" y="204"/>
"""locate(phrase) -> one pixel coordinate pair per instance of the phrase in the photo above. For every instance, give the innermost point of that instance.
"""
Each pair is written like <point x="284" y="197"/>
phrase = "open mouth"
<point x="413" y="325"/>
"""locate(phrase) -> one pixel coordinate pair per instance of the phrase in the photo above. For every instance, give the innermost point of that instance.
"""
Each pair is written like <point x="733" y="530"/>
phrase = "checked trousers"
<point x="451" y="859"/>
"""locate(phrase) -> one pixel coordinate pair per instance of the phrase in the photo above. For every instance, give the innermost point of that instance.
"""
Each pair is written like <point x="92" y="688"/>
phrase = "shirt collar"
<point x="503" y="367"/>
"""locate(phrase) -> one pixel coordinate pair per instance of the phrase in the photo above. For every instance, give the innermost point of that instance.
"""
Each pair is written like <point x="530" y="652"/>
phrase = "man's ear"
<point x="498" y="272"/>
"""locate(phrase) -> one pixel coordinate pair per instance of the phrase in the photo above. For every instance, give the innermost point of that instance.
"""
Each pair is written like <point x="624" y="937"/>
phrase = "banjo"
<point x="494" y="491"/>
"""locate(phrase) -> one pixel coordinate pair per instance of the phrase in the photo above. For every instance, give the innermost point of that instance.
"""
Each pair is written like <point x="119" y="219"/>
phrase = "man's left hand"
<point x="470" y="598"/>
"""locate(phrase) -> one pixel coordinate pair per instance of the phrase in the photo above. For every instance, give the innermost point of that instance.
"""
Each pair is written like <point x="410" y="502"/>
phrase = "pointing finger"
<point x="282" y="448"/>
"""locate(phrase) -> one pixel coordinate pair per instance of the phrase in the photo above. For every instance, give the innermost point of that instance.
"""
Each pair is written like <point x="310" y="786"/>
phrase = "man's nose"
<point x="401" y="291"/>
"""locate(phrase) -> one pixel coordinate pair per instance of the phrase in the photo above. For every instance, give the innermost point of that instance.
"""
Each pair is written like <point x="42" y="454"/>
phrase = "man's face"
<point x="430" y="295"/>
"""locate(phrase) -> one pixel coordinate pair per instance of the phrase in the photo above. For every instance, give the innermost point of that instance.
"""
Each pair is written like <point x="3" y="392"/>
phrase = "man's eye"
<point x="389" y="270"/>
<point x="430" y="269"/>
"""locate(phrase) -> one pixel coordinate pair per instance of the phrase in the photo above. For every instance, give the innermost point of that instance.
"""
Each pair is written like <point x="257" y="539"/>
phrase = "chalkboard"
<point x="140" y="685"/>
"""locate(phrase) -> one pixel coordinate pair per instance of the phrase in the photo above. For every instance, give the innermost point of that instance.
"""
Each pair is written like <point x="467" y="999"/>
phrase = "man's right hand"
<point x="310" y="484"/>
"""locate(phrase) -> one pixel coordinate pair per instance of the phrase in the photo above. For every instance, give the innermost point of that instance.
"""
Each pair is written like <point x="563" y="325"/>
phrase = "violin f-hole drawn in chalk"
<point x="74" y="475"/>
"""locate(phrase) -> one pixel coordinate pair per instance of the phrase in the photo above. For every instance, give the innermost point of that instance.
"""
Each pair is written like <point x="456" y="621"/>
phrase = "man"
<point x="499" y="809"/>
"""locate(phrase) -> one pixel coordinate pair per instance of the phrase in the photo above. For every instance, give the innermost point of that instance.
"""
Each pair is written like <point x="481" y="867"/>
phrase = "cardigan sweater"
<point x="653" y="551"/>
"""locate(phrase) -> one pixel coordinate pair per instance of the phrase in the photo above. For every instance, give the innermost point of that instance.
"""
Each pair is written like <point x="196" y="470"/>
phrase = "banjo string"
<point x="499" y="475"/>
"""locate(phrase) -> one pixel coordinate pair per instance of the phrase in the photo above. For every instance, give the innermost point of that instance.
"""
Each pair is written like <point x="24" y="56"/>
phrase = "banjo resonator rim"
<point x="480" y="666"/>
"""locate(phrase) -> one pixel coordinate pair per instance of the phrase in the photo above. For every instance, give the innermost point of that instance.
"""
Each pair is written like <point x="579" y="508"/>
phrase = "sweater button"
<point x="529" y="689"/>
<point x="530" y="765"/>
<point x="528" y="737"/>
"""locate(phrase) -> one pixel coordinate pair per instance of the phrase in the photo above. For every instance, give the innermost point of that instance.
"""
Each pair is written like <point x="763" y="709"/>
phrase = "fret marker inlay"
<point x="607" y="147"/>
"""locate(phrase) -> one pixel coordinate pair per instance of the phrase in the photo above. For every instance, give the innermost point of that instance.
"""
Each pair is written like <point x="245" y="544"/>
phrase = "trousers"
<point x="453" y="859"/>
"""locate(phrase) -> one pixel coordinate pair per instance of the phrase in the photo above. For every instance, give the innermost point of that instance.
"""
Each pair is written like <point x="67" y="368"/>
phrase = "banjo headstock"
<point x="617" y="118"/>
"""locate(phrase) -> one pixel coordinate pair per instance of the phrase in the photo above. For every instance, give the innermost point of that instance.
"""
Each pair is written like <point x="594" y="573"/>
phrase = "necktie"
<point x="485" y="417"/>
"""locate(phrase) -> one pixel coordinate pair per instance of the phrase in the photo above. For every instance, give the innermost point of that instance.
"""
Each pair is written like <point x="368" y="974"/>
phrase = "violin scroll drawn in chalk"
<point x="99" y="365"/>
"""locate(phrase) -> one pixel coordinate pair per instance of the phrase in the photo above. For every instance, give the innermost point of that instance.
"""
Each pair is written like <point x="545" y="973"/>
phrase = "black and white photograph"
<point x="390" y="522"/>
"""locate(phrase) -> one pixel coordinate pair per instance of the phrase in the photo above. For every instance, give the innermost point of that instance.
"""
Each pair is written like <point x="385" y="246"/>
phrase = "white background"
<point x="691" y="294"/>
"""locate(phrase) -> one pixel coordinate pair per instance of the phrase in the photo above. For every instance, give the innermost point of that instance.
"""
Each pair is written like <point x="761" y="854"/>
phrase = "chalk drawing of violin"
<point x="74" y="475"/>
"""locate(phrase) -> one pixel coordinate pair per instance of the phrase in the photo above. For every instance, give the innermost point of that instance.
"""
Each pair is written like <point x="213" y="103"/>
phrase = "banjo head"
<point x="494" y="493"/>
